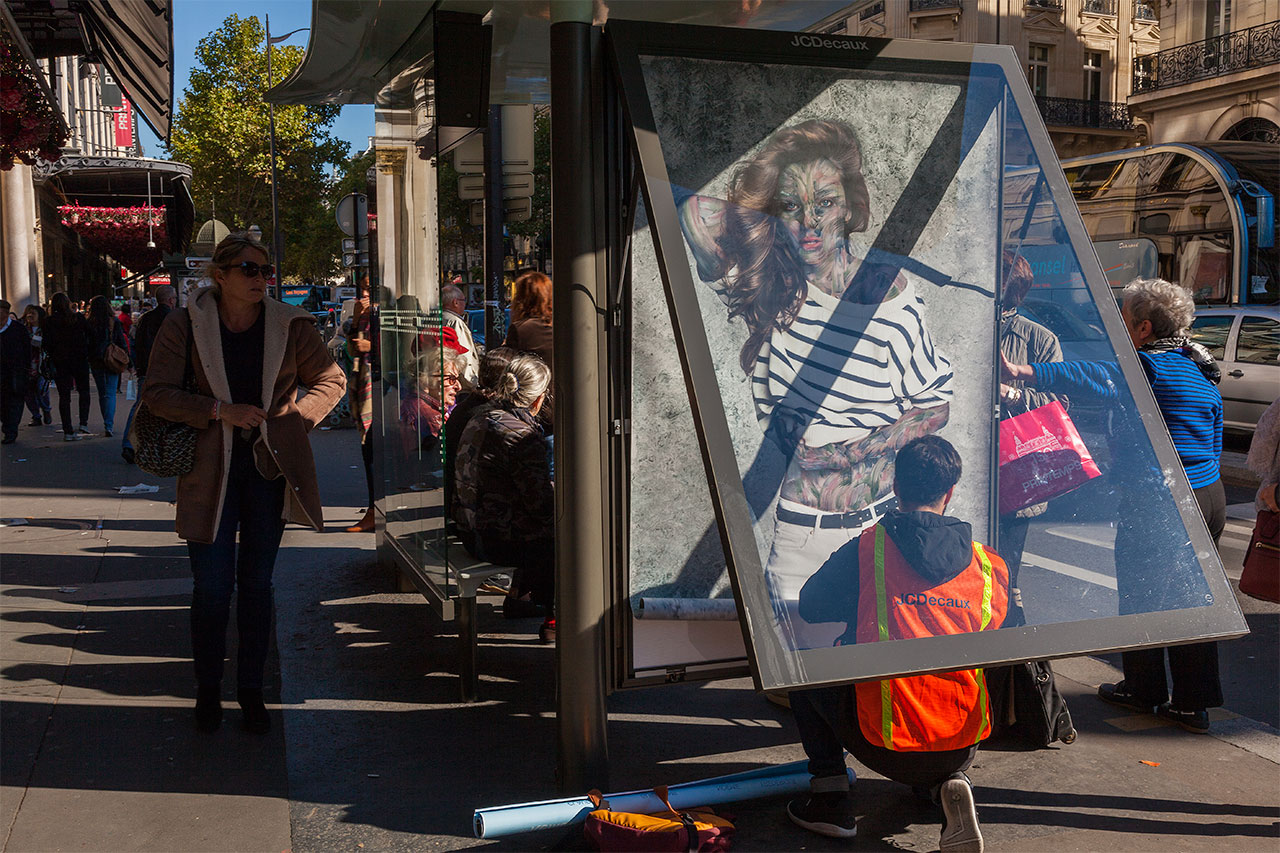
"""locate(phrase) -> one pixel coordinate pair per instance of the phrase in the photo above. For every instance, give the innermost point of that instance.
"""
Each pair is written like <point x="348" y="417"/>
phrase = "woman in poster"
<point x="843" y="371"/>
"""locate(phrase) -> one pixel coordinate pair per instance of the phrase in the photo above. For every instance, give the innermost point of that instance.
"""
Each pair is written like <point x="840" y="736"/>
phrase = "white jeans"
<point x="798" y="552"/>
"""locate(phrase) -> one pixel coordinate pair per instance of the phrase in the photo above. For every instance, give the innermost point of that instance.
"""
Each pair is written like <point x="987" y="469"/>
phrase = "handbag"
<point x="1261" y="575"/>
<point x="115" y="359"/>
<point x="162" y="447"/>
<point x="1042" y="456"/>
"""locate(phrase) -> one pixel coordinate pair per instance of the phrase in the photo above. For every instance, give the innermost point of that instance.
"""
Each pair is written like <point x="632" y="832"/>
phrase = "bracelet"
<point x="217" y="404"/>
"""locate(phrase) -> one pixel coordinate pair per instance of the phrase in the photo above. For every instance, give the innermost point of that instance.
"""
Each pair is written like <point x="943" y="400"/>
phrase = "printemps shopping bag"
<point x="690" y="830"/>
<point x="1041" y="457"/>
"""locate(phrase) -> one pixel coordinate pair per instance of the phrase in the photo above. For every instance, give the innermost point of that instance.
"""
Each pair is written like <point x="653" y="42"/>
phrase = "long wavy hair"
<point x="769" y="286"/>
<point x="100" y="314"/>
<point x="531" y="297"/>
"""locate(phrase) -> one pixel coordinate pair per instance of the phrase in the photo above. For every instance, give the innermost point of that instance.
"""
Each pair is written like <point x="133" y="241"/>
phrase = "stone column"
<point x="17" y="212"/>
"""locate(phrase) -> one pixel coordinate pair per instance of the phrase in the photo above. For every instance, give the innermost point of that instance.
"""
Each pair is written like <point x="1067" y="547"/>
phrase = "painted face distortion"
<point x="812" y="206"/>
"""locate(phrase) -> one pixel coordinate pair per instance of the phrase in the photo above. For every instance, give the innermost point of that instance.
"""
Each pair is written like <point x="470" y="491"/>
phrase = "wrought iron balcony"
<point x="1045" y="4"/>
<point x="929" y="5"/>
<point x="1101" y="7"/>
<point x="1224" y="54"/>
<point x="1073" y="112"/>
<point x="872" y="10"/>
<point x="1145" y="10"/>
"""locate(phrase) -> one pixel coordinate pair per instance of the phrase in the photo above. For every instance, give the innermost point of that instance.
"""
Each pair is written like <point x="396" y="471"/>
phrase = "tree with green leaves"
<point x="221" y="130"/>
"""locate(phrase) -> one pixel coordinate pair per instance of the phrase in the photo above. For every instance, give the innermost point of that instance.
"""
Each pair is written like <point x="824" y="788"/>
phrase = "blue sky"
<point x="195" y="19"/>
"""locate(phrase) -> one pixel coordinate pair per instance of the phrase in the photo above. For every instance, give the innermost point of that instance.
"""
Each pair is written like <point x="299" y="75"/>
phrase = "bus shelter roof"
<point x="376" y="51"/>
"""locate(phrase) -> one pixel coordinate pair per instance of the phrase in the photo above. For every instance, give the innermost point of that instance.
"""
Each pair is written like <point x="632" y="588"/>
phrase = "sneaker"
<point x="830" y="813"/>
<point x="33" y="422"/>
<point x="84" y="430"/>
<point x="1119" y="695"/>
<point x="1196" y="722"/>
<point x="960" y="833"/>
<point x="128" y="455"/>
<point x="107" y="433"/>
<point x="71" y="436"/>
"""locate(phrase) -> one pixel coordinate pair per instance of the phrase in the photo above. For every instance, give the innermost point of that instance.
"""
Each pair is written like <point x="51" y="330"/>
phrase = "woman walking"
<point x="35" y="318"/>
<point x="67" y="339"/>
<point x="107" y="330"/>
<point x="253" y="465"/>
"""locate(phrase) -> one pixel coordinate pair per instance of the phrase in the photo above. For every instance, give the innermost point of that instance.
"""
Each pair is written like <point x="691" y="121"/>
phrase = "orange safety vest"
<point x="926" y="713"/>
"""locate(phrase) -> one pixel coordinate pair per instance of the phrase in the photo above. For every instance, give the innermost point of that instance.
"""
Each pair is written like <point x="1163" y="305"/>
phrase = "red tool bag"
<point x="1041" y="457"/>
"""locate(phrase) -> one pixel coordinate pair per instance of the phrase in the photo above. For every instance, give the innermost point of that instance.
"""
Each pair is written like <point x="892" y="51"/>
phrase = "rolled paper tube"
<point x="688" y="609"/>
<point x="499" y="821"/>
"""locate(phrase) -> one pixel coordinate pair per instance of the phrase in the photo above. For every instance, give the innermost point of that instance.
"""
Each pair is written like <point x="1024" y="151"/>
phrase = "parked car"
<point x="1245" y="339"/>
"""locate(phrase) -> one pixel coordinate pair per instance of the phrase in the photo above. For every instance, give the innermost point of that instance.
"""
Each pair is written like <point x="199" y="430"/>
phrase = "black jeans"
<point x="11" y="403"/>
<point x="535" y="563"/>
<point x="827" y="718"/>
<point x="65" y="378"/>
<point x="253" y="505"/>
<point x="1197" y="685"/>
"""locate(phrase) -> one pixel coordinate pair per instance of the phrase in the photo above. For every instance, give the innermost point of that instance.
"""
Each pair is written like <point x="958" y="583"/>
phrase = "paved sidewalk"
<point x="99" y="751"/>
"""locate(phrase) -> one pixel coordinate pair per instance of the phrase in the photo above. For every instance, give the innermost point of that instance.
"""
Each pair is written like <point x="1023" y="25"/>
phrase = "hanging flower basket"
<point x="30" y="128"/>
<point x="121" y="232"/>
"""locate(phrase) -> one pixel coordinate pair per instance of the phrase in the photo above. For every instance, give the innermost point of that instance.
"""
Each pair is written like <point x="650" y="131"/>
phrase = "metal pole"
<point x="495" y="320"/>
<point x="276" y="243"/>
<point x="582" y="555"/>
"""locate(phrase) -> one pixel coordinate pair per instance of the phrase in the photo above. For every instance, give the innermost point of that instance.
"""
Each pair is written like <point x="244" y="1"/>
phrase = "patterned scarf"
<point x="1192" y="350"/>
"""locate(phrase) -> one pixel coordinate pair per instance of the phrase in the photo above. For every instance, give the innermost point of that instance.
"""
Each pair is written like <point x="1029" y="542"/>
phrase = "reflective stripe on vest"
<point x="882" y="620"/>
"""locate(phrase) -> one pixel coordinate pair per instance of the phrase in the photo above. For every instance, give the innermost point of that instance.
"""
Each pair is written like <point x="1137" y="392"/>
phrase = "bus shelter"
<point x="726" y="411"/>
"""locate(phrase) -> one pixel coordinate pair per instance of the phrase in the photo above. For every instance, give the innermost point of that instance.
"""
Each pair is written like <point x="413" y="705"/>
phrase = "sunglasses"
<point x="252" y="269"/>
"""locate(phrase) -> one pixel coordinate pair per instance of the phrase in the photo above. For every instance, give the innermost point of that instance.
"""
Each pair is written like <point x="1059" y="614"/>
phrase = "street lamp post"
<point x="276" y="243"/>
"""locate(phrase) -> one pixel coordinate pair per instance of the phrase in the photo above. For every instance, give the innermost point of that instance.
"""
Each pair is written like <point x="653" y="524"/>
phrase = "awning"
<point x="124" y="182"/>
<point x="133" y="39"/>
<point x="374" y="51"/>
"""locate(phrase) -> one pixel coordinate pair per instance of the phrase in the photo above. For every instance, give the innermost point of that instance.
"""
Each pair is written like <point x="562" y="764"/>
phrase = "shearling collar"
<point x="206" y="329"/>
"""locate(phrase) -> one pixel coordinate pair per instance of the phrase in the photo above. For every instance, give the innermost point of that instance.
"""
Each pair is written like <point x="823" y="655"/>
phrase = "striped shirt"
<point x="849" y="368"/>
<point x="1191" y="405"/>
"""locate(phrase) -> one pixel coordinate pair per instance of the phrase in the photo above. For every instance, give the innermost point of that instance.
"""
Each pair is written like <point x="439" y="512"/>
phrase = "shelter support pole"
<point x="495" y="324"/>
<point x="578" y="257"/>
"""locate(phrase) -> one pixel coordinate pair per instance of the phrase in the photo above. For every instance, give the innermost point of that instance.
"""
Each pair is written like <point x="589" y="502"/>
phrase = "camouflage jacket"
<point x="502" y="479"/>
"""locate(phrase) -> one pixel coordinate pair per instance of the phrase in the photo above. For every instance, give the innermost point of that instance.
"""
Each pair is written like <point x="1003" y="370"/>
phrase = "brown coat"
<point x="294" y="355"/>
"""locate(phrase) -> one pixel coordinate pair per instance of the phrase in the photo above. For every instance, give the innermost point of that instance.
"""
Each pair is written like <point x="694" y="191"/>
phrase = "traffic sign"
<point x="353" y="215"/>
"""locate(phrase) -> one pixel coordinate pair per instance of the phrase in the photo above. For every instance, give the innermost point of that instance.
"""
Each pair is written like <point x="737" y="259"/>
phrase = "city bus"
<point x="1203" y="215"/>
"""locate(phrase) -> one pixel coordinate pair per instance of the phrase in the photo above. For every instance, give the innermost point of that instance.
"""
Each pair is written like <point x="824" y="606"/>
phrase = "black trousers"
<point x="11" y="405"/>
<point x="828" y="721"/>
<point x="1194" y="668"/>
<point x="535" y="563"/>
<point x="68" y="377"/>
<point x="366" y="453"/>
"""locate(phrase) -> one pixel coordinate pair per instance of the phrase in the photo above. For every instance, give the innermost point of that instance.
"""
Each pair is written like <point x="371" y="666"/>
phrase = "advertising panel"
<point x="837" y="242"/>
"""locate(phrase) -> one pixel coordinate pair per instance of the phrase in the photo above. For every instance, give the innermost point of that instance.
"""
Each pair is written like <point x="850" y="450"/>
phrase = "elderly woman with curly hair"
<point x="1183" y="377"/>
<point x="249" y="355"/>
<point x="842" y="367"/>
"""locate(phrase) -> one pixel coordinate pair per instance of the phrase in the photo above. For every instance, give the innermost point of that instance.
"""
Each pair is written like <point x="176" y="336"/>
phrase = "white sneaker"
<point x="960" y="833"/>
<point x="71" y="436"/>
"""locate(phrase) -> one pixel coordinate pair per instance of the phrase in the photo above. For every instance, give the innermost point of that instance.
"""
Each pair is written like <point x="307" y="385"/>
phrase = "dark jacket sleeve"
<point x="529" y="478"/>
<point x="831" y="594"/>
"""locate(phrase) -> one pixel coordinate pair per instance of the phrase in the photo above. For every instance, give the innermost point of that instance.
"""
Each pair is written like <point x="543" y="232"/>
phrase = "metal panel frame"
<point x="771" y="664"/>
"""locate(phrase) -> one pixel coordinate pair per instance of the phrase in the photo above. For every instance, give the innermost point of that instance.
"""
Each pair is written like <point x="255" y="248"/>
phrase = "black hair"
<point x="926" y="469"/>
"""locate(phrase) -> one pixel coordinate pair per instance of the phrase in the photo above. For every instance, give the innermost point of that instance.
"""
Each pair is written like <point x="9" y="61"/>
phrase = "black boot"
<point x="208" y="707"/>
<point x="256" y="720"/>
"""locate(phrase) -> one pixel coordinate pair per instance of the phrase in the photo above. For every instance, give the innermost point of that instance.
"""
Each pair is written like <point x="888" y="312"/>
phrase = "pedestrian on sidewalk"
<point x="253" y="465"/>
<point x="15" y="368"/>
<point x="1184" y="378"/>
<point x="144" y="337"/>
<point x="38" y="388"/>
<point x="107" y="330"/>
<point x="67" y="340"/>
<point x="361" y="335"/>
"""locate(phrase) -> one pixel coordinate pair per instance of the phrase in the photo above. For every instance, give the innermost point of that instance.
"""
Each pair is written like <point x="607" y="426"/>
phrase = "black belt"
<point x="858" y="518"/>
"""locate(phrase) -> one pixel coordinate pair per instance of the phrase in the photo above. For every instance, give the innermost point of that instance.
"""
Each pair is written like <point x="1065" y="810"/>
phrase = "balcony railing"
<point x="1073" y="112"/>
<point x="1224" y="54"/>
<point x="1101" y="7"/>
<point x="1045" y="4"/>
<point x="871" y="11"/>
<point x="1144" y="10"/>
<point x="927" y="5"/>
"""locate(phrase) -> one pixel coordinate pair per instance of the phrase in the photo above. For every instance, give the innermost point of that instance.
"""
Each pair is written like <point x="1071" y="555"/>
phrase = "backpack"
<point x="669" y="832"/>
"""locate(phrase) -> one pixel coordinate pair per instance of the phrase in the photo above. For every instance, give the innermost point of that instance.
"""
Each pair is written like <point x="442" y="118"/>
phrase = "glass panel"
<point x="1211" y="333"/>
<point x="846" y="284"/>
<point x="1259" y="341"/>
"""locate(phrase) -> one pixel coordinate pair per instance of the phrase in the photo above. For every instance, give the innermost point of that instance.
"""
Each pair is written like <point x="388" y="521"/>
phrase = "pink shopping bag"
<point x="1041" y="456"/>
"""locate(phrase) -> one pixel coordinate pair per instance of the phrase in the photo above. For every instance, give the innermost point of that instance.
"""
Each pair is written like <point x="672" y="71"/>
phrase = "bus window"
<point x="1211" y="333"/>
<point x="1204" y="267"/>
<point x="1124" y="260"/>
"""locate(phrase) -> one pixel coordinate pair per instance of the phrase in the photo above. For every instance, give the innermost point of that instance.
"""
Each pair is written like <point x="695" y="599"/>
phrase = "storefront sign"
<point x="122" y="120"/>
